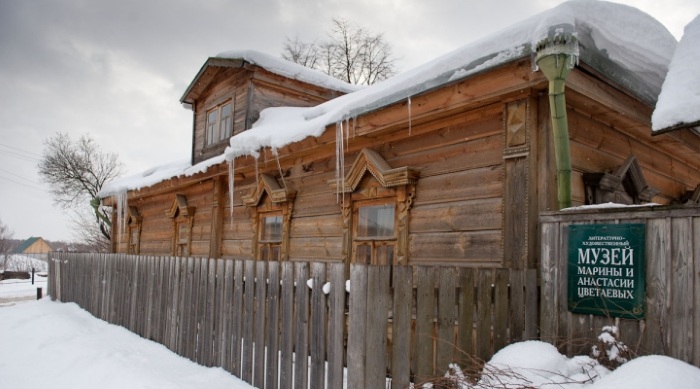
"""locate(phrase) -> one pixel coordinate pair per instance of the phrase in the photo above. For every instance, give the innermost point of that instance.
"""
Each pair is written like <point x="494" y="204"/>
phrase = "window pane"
<point x="226" y="122"/>
<point x="376" y="221"/>
<point x="134" y="236"/>
<point x="182" y="232"/>
<point x="363" y="254"/>
<point x="211" y="126"/>
<point x="271" y="229"/>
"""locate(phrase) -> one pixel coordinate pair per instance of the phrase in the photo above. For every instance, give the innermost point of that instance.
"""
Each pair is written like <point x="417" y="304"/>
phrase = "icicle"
<point x="231" y="187"/>
<point x="122" y="199"/>
<point x="339" y="161"/>
<point x="257" y="179"/>
<point x="279" y="166"/>
<point x="409" y="115"/>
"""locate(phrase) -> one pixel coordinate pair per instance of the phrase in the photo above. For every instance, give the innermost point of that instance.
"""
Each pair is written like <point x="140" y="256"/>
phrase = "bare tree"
<point x="352" y="54"/>
<point x="302" y="53"/>
<point x="5" y="243"/>
<point x="76" y="172"/>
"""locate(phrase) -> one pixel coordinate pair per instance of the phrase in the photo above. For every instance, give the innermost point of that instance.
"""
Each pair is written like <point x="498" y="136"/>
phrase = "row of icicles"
<point x="342" y="139"/>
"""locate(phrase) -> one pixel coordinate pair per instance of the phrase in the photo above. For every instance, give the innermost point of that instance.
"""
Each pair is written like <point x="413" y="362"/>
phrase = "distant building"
<point x="34" y="245"/>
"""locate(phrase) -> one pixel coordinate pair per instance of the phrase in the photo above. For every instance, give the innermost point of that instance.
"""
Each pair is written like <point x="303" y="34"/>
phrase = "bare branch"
<point x="76" y="172"/>
<point x="351" y="53"/>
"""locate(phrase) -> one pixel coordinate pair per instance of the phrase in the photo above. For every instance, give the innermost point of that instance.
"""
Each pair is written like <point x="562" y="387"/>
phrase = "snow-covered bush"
<point x="609" y="351"/>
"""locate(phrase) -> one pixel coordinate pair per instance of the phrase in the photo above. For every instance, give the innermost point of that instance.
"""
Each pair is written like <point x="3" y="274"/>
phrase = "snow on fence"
<point x="672" y="245"/>
<point x="406" y="323"/>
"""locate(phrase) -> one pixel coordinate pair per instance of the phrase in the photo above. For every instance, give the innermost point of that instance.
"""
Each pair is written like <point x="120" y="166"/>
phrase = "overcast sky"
<point x="117" y="69"/>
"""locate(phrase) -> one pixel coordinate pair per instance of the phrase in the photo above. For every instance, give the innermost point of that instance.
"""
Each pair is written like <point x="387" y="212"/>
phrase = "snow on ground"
<point x="59" y="345"/>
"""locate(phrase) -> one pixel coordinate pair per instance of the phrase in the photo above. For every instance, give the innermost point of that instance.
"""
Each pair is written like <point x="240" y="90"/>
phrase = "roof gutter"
<point x="556" y="55"/>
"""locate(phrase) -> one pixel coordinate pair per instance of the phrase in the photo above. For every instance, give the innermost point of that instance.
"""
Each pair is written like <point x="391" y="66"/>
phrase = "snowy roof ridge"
<point x="679" y="102"/>
<point x="623" y="42"/>
<point x="290" y="69"/>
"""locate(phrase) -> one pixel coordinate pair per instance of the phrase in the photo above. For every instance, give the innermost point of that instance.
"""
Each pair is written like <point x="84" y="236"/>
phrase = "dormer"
<point x="232" y="88"/>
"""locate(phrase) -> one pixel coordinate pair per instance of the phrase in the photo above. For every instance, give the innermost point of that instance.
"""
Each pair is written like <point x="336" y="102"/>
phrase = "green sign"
<point x="606" y="270"/>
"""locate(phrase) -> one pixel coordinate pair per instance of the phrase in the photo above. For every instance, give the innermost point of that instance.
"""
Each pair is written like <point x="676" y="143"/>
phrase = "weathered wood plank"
<point x="248" y="322"/>
<point x="654" y="339"/>
<point x="483" y="314"/>
<point x="517" y="305"/>
<point x="301" y="344"/>
<point x="357" y="330"/>
<point x="424" y="354"/>
<point x="500" y="310"/>
<point x="550" y="278"/>
<point x="466" y="301"/>
<point x="336" y="325"/>
<point x="259" y="327"/>
<point x="287" y="328"/>
<point x="680" y="328"/>
<point x="378" y="304"/>
<point x="531" y="305"/>
<point x="318" y="326"/>
<point x="271" y="337"/>
<point x="447" y="314"/>
<point x="401" y="327"/>
<point x="237" y="315"/>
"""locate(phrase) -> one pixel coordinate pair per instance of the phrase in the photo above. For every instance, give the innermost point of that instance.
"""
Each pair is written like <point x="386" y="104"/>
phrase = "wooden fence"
<point x="672" y="323"/>
<point x="257" y="319"/>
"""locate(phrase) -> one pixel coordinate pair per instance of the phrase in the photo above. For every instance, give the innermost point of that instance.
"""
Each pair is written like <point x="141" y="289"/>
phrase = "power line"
<point x="22" y="150"/>
<point x="26" y="185"/>
<point x="20" y="156"/>
<point x="18" y="176"/>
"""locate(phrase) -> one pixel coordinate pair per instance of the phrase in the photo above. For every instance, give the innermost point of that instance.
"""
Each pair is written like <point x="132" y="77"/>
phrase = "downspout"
<point x="556" y="55"/>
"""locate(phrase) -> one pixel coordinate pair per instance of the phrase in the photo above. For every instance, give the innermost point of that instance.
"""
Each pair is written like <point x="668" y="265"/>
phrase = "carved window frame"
<point x="397" y="185"/>
<point x="182" y="217"/>
<point x="134" y="238"/>
<point x="269" y="199"/>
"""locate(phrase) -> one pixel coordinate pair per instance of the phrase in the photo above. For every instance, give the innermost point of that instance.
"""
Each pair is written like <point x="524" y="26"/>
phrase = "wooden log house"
<point x="449" y="169"/>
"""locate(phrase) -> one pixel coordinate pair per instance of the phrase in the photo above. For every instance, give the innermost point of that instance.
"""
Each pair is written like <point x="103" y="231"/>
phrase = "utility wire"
<point x="20" y="183"/>
<point x="18" y="176"/>
<point x="22" y="150"/>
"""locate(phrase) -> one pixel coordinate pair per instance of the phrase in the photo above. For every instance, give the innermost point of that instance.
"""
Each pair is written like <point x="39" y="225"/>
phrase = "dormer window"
<point x="219" y="123"/>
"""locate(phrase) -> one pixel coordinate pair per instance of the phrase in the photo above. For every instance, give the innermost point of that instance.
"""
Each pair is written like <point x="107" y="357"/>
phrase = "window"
<point x="183" y="217"/>
<point x="219" y="125"/>
<point x="374" y="239"/>
<point x="271" y="211"/>
<point x="376" y="200"/>
<point x="134" y="245"/>
<point x="183" y="234"/>
<point x="270" y="241"/>
<point x="134" y="239"/>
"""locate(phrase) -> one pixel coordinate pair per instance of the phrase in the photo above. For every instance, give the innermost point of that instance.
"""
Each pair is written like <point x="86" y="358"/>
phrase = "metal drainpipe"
<point x="556" y="57"/>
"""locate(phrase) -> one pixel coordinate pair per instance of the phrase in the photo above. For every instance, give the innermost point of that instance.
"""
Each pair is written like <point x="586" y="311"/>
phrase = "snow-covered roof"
<point x="622" y="42"/>
<point x="679" y="102"/>
<point x="275" y="65"/>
